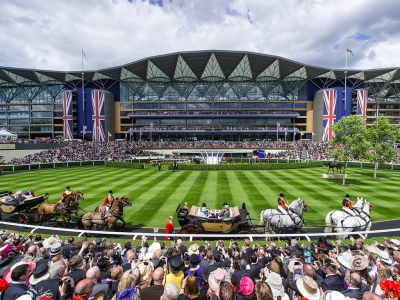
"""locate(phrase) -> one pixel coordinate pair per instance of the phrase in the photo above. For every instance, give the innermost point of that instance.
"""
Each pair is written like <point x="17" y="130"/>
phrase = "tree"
<point x="349" y="140"/>
<point x="381" y="136"/>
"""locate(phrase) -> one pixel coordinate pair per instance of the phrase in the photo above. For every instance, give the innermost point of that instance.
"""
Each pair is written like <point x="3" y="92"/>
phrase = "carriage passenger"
<point x="108" y="200"/>
<point x="225" y="212"/>
<point x="282" y="204"/>
<point x="19" y="197"/>
<point x="204" y="212"/>
<point x="10" y="198"/>
<point x="29" y="193"/>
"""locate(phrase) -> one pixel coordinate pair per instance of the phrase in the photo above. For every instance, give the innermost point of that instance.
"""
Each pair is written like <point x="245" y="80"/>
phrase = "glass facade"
<point x="209" y="94"/>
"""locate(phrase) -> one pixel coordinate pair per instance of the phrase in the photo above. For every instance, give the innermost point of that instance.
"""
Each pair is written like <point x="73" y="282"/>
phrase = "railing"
<point x="52" y="165"/>
<point x="191" y="237"/>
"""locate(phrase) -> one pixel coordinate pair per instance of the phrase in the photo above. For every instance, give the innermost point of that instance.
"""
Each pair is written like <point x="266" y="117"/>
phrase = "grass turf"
<point x="155" y="195"/>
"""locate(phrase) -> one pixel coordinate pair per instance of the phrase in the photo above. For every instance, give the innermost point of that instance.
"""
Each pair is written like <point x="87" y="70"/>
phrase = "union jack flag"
<point x="362" y="96"/>
<point x="98" y="116"/>
<point x="131" y="131"/>
<point x="84" y="129"/>
<point x="329" y="117"/>
<point x="67" y="115"/>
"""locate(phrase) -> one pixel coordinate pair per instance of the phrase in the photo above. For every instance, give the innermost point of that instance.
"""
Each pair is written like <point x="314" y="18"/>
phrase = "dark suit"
<point x="152" y="292"/>
<point x="126" y="266"/>
<point x="353" y="293"/>
<point x="68" y="248"/>
<point x="77" y="275"/>
<point x="52" y="285"/>
<point x="237" y="275"/>
<point x="255" y="270"/>
<point x="332" y="283"/>
<point x="15" y="290"/>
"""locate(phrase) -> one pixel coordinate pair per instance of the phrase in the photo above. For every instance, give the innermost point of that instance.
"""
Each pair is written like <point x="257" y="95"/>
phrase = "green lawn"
<point x="155" y="195"/>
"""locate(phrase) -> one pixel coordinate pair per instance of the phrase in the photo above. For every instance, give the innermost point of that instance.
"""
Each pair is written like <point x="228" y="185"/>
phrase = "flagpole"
<point x="345" y="84"/>
<point x="83" y="92"/>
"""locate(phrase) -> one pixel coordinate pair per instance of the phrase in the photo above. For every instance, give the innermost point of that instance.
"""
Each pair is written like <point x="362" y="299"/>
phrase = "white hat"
<point x="18" y="193"/>
<point x="384" y="257"/>
<point x="216" y="277"/>
<point x="204" y="208"/>
<point x="344" y="259"/>
<point x="308" y="288"/>
<point x="275" y="282"/>
<point x="335" y="295"/>
<point x="47" y="243"/>
<point x="193" y="249"/>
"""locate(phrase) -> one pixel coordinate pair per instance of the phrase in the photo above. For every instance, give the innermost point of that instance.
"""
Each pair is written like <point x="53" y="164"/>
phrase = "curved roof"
<point x="208" y="65"/>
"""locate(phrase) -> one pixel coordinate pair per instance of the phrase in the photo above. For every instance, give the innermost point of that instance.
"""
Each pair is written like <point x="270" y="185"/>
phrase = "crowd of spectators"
<point x="33" y="268"/>
<point x="122" y="150"/>
<point x="178" y="127"/>
<point x="78" y="150"/>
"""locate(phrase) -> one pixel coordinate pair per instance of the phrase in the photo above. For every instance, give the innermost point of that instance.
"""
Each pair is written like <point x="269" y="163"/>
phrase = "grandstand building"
<point x="198" y="95"/>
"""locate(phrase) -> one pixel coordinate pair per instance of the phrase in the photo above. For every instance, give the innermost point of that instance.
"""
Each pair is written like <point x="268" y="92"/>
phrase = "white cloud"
<point x="46" y="34"/>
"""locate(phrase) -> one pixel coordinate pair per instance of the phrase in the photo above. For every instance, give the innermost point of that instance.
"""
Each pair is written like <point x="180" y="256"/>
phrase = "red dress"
<point x="169" y="228"/>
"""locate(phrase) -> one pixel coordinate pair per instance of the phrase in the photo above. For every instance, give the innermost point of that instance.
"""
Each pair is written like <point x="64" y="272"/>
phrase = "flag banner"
<point x="131" y="131"/>
<point x="278" y="126"/>
<point x="151" y="126"/>
<point x="286" y="131"/>
<point x="141" y="130"/>
<point x="109" y="134"/>
<point x="84" y="129"/>
<point x="351" y="52"/>
<point x="84" y="54"/>
<point x="67" y="115"/>
<point x="98" y="116"/>
<point x="362" y="97"/>
<point x="295" y="130"/>
<point x="329" y="116"/>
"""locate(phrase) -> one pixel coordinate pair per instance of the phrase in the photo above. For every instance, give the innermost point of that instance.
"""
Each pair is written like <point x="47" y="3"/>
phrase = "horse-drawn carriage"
<point x="25" y="211"/>
<point x="192" y="223"/>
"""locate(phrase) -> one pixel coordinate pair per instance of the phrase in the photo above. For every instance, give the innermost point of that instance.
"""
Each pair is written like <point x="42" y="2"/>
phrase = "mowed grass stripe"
<point x="164" y="200"/>
<point x="193" y="195"/>
<point x="224" y="193"/>
<point x="209" y="192"/>
<point x="254" y="195"/>
<point x="238" y="191"/>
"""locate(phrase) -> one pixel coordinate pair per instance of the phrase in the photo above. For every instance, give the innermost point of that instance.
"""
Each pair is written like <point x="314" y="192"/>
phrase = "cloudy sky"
<point x="48" y="34"/>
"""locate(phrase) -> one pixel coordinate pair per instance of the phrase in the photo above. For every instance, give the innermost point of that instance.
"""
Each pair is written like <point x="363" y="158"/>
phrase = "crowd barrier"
<point x="250" y="236"/>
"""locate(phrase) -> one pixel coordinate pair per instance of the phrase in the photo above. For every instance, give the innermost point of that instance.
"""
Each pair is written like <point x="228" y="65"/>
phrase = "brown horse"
<point x="62" y="208"/>
<point x="108" y="218"/>
<point x="102" y="208"/>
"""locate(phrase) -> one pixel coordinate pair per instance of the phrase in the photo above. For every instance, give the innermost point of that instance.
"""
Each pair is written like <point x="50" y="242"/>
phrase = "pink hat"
<point x="246" y="286"/>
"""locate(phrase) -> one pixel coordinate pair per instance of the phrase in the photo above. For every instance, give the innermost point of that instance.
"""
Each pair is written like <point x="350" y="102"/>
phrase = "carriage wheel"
<point x="21" y="218"/>
<point x="190" y="229"/>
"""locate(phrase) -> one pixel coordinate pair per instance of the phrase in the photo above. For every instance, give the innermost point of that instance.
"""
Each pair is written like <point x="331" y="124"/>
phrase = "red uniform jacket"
<point x="169" y="228"/>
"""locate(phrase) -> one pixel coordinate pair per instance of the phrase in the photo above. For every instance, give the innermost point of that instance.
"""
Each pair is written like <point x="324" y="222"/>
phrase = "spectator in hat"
<point x="204" y="212"/>
<point x="274" y="281"/>
<point x="40" y="272"/>
<point x="237" y="275"/>
<point x="56" y="249"/>
<point x="215" y="279"/>
<point x="56" y="273"/>
<point x="18" y="286"/>
<point x="246" y="289"/>
<point x="360" y="264"/>
<point x="174" y="273"/>
<point x="308" y="288"/>
<point x="195" y="268"/>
